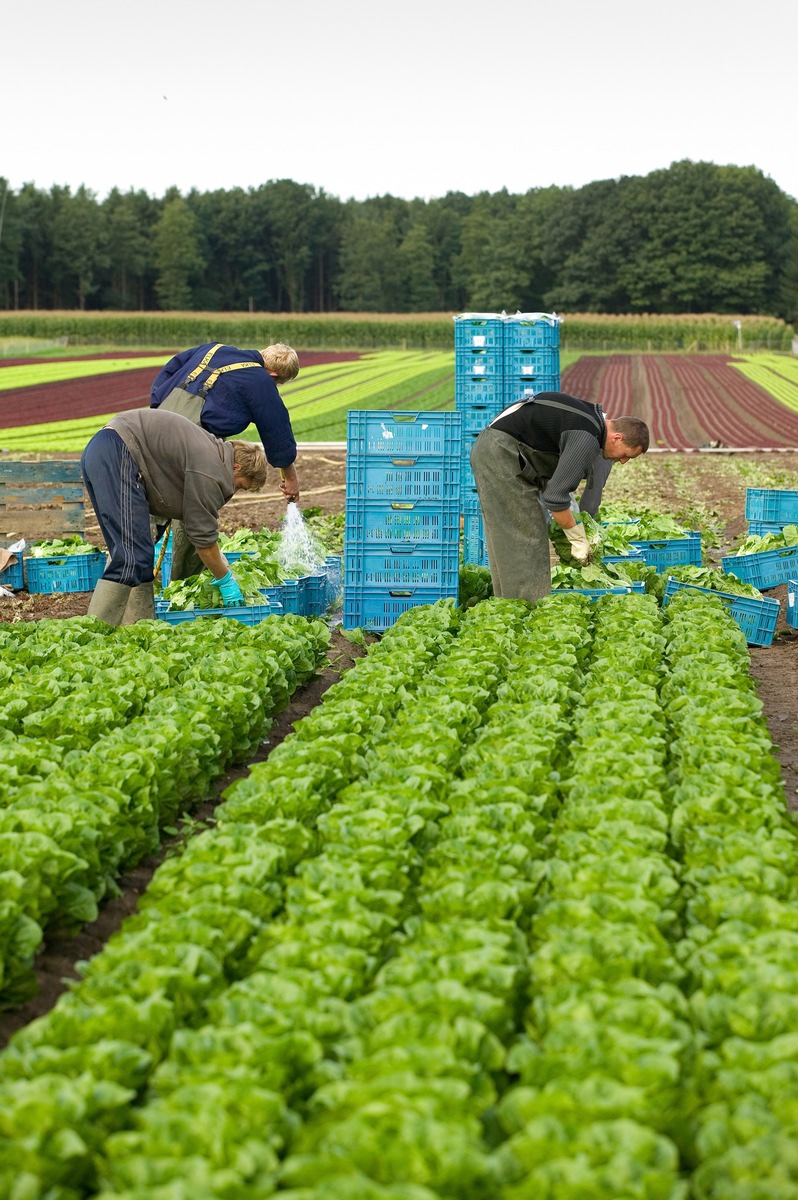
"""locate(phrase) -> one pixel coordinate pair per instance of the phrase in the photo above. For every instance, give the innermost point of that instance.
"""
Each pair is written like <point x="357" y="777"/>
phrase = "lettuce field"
<point x="505" y="909"/>
<point x="510" y="913"/>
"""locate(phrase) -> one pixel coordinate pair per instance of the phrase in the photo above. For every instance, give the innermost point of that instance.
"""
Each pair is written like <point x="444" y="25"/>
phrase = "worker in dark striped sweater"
<point x="540" y="450"/>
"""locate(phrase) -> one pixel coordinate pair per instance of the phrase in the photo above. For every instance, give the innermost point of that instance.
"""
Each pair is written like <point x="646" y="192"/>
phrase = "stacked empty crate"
<point x="499" y="360"/>
<point x="402" y="534"/>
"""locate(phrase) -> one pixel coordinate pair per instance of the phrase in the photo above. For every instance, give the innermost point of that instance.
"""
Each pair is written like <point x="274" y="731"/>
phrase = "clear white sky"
<point x="411" y="97"/>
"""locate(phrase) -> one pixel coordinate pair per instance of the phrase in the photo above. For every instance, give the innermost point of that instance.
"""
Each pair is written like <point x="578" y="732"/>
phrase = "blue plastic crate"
<point x="532" y="364"/>
<point x="67" y="573"/>
<point x="293" y="595"/>
<point x="370" y="522"/>
<point x="402" y="566"/>
<point x="469" y="498"/>
<point x="468" y="443"/>
<point x="476" y="417"/>
<point x="13" y="576"/>
<point x="771" y="504"/>
<point x="756" y="618"/>
<point x="334" y="570"/>
<point x="316" y="593"/>
<point x="470" y="391"/>
<point x="379" y="607"/>
<point x="764" y="570"/>
<point x="671" y="552"/>
<point x="531" y="330"/>
<point x="484" y="364"/>
<point x="621" y="590"/>
<point x="474" y="548"/>
<point x="478" y="331"/>
<point x="634" y="556"/>
<point x="524" y="389"/>
<point x="413" y="478"/>
<point x="791" y="616"/>
<point x="251" y="614"/>
<point x="760" y="528"/>
<point x="402" y="434"/>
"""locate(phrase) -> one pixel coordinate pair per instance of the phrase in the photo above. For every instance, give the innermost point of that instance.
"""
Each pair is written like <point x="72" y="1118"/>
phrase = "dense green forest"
<point x="692" y="238"/>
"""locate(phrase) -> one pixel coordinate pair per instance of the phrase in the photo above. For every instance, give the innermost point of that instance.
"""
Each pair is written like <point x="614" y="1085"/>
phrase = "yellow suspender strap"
<point x="214" y="375"/>
<point x="198" y="370"/>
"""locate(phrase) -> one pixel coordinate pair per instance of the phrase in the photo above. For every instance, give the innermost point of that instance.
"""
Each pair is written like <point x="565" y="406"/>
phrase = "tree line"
<point x="694" y="237"/>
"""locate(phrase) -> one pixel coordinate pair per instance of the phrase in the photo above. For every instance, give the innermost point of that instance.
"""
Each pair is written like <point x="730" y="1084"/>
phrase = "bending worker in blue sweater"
<point x="225" y="390"/>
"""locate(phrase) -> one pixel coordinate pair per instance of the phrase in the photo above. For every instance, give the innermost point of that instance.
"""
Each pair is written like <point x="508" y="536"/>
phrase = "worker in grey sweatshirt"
<point x="147" y="462"/>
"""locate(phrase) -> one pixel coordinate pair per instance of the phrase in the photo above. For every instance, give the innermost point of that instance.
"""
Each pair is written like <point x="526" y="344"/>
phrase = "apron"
<point x="185" y="560"/>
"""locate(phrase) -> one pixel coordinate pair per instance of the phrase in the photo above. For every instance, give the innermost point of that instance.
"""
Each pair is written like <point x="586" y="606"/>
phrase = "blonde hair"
<point x="251" y="462"/>
<point x="281" y="361"/>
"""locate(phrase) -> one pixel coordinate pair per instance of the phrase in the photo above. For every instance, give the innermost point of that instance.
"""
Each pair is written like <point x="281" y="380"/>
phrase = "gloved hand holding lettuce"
<point x="231" y="592"/>
<point x="578" y="545"/>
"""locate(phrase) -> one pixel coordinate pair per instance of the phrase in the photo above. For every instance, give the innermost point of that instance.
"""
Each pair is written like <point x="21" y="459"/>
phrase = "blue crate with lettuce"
<point x="67" y="564"/>
<point x="765" y="560"/>
<point x="756" y="615"/>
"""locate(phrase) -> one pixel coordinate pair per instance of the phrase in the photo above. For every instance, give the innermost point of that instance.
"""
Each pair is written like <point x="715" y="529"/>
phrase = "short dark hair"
<point x="633" y="430"/>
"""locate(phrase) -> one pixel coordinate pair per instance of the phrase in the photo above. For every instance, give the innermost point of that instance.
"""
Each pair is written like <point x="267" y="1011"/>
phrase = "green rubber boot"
<point x="109" y="601"/>
<point x="140" y="605"/>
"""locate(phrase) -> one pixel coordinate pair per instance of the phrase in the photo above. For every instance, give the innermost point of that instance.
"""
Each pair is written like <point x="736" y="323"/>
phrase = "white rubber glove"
<point x="580" y="546"/>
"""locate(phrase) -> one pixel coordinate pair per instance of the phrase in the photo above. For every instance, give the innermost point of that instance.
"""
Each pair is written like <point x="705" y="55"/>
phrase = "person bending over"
<point x="540" y="450"/>
<point x="146" y="463"/>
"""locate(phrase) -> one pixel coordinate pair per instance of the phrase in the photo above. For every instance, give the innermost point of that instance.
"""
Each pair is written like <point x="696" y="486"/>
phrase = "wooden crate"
<point x="41" y="500"/>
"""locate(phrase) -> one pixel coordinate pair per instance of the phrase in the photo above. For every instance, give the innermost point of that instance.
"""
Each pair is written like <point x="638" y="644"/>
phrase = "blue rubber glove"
<point x="231" y="592"/>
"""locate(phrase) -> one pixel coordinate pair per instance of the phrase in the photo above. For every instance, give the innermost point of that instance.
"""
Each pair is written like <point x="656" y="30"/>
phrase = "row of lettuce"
<point x="512" y="912"/>
<point x="105" y="737"/>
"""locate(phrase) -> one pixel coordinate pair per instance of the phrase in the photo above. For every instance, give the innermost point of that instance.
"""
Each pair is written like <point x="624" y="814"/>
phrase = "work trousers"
<point x="119" y="500"/>
<point x="512" y="515"/>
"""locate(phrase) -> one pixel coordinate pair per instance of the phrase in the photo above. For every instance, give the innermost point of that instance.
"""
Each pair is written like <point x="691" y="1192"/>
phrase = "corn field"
<point x="708" y="332"/>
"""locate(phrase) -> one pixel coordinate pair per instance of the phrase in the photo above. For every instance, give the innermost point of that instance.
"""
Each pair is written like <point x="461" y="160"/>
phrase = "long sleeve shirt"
<point x="186" y="471"/>
<point x="234" y="400"/>
<point x="564" y="434"/>
<point x="596" y="478"/>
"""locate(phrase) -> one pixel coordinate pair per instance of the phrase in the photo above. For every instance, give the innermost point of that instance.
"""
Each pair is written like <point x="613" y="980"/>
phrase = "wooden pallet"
<point x="41" y="500"/>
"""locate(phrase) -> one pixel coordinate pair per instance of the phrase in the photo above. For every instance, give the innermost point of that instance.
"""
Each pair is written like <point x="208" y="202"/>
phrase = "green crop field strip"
<point x="318" y="400"/>
<point x="33" y="374"/>
<point x="775" y="373"/>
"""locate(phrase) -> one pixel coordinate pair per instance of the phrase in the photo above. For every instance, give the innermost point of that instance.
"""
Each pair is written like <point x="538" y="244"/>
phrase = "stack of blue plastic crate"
<point x="499" y="360"/>
<point x="402" y="533"/>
